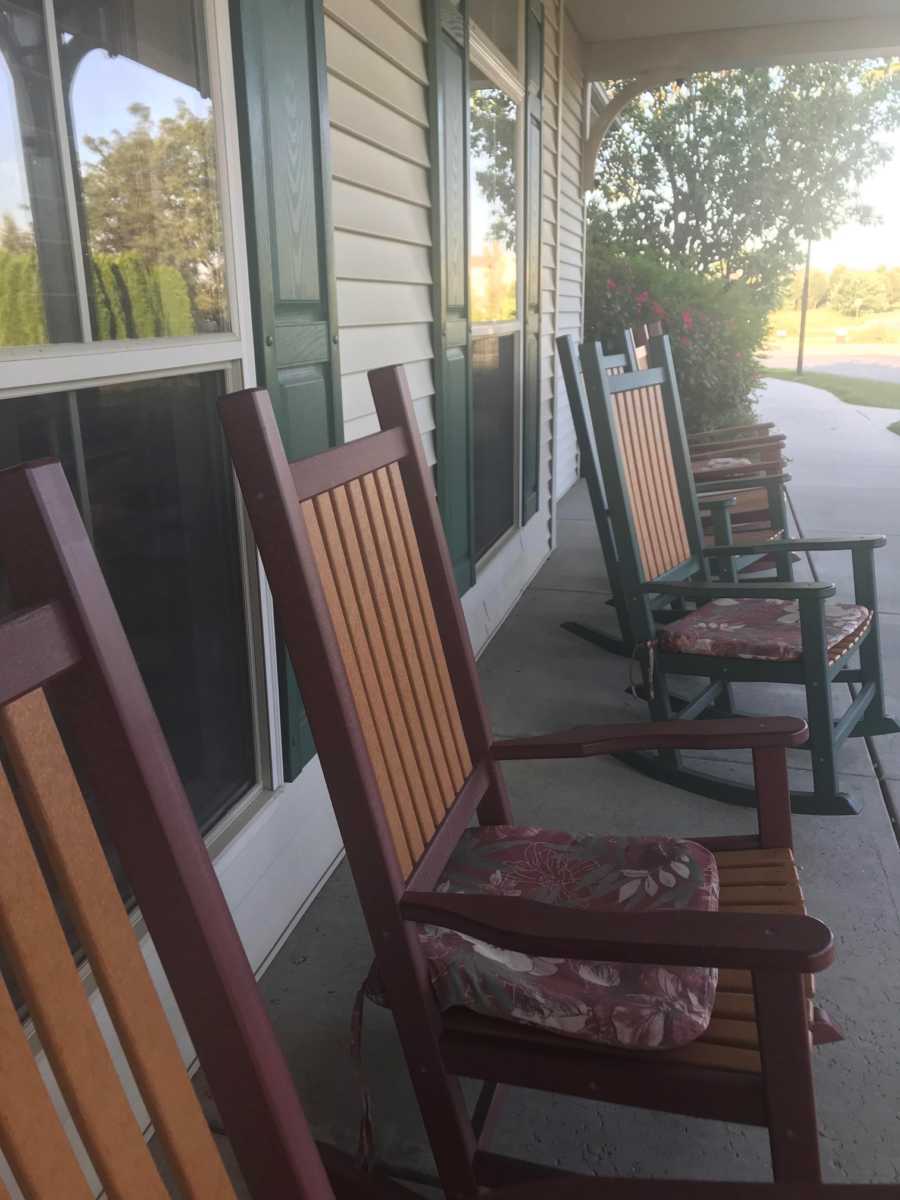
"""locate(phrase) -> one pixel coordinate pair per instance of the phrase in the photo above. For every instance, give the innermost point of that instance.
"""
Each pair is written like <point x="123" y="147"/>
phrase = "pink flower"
<point x="610" y="285"/>
<point x="642" y="298"/>
<point x="687" y="320"/>
<point x="658" y="310"/>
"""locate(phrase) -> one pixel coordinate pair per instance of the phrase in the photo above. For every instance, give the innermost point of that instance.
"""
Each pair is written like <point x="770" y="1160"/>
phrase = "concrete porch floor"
<point x="537" y="677"/>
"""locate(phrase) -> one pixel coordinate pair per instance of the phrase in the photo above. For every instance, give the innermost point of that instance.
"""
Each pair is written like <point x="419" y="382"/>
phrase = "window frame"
<point x="490" y="60"/>
<point x="69" y="367"/>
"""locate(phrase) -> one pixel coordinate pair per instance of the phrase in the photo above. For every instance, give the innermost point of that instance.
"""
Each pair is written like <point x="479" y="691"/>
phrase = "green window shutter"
<point x="449" y="116"/>
<point x="282" y="105"/>
<point x="531" y="389"/>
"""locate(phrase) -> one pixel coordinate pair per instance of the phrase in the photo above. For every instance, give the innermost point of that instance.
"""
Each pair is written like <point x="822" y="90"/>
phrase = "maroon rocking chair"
<point x="65" y="665"/>
<point x="364" y="592"/>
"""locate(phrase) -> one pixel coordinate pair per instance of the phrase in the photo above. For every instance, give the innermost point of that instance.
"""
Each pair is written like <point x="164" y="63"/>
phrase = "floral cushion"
<point x="722" y="464"/>
<point x="630" y="1005"/>
<point x="761" y="629"/>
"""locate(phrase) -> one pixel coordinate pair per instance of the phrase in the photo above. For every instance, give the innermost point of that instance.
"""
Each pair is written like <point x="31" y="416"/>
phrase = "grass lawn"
<point x="823" y="324"/>
<point x="895" y="428"/>
<point x="873" y="393"/>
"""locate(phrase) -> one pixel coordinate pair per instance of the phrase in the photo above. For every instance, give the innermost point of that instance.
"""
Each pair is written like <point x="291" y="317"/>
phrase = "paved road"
<point x="845" y="468"/>
<point x="866" y="362"/>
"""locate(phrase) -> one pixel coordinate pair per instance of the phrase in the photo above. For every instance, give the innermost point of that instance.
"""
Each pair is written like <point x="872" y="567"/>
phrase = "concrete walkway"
<point x="538" y="677"/>
<point x="845" y="469"/>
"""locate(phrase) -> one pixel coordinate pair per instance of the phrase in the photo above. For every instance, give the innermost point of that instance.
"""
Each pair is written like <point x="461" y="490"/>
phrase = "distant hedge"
<point x="715" y="331"/>
<point x="130" y="299"/>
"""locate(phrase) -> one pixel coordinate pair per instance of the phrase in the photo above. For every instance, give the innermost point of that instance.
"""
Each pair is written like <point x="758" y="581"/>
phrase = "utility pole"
<point x="804" y="305"/>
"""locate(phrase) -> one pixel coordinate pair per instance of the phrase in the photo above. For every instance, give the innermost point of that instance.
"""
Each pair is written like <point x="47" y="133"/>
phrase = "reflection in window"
<point x="37" y="283"/>
<point x="493" y="231"/>
<point x="142" y="127"/>
<point x="494" y="437"/>
<point x="148" y="467"/>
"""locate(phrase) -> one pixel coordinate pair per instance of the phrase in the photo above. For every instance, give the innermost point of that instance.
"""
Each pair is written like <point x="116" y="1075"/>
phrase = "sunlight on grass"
<point x="823" y="324"/>
<point x="872" y="393"/>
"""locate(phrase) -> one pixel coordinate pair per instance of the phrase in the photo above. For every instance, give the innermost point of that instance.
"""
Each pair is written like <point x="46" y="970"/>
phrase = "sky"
<point x="866" y="247"/>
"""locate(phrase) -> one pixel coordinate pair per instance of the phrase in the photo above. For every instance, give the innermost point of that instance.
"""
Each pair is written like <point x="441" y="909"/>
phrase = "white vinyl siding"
<point x="571" y="240"/>
<point x="377" y="81"/>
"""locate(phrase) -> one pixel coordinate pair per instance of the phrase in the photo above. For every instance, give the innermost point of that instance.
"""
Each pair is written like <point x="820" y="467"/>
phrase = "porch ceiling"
<point x="660" y="37"/>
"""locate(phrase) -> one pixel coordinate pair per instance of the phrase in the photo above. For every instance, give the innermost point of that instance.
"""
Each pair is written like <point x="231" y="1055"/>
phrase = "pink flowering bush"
<point x="715" y="331"/>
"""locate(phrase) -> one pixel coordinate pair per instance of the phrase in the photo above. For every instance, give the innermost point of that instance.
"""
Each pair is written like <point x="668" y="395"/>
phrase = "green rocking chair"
<point x="739" y="632"/>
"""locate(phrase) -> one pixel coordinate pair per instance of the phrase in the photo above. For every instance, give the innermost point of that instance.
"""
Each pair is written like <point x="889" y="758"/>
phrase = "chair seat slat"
<point x="57" y="807"/>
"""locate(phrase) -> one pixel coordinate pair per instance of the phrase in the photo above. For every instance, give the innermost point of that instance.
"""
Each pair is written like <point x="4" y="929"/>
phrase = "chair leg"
<point x="875" y="721"/>
<point x="819" y="707"/>
<point x="782" y="1016"/>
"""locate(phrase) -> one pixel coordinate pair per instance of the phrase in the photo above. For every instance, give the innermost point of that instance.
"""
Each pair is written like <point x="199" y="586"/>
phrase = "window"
<point x="119" y="327"/>
<point x="148" y="467"/>
<point x="110" y="225"/>
<point x="495" y="272"/>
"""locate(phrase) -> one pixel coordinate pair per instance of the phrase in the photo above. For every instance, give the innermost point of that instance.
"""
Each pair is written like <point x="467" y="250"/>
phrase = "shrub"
<point x="715" y="331"/>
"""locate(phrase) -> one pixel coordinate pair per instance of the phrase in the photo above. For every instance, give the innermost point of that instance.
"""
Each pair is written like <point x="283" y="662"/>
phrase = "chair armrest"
<point x="587" y="741"/>
<point x="869" y="541"/>
<point x="764" y="590"/>
<point x="749" y="941"/>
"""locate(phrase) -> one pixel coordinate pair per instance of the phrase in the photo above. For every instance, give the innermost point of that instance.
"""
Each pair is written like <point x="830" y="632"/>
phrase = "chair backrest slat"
<point x="42" y="962"/>
<point x="381" y="610"/>
<point x="32" y="1139"/>
<point x="649" y="470"/>
<point x="56" y="806"/>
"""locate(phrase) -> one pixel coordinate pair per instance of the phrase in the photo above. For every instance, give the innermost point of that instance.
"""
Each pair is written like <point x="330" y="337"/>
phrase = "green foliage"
<point x="714" y="332"/>
<point x="819" y="285"/>
<point x="730" y="172"/>
<point x="151" y="193"/>
<point x="22" y="321"/>
<point x="492" y="134"/>
<point x="856" y="292"/>
<point x="174" y="302"/>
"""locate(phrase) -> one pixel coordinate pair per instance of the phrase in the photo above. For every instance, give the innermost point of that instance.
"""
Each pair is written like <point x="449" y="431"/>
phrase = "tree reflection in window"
<point x="142" y="126"/>
<point x="141" y="131"/>
<point x="493" y="230"/>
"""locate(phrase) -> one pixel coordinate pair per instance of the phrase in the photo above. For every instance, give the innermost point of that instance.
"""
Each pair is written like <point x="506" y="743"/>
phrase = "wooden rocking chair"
<point x="746" y="445"/>
<point x="65" y="665"/>
<point x="719" y="507"/>
<point x="363" y="587"/>
<point x="744" y="631"/>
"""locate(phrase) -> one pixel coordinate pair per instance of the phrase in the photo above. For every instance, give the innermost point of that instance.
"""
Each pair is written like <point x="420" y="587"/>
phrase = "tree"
<point x="150" y="194"/>
<point x="730" y="172"/>
<point x="856" y="292"/>
<point x="492" y="134"/>
<point x="819" y="284"/>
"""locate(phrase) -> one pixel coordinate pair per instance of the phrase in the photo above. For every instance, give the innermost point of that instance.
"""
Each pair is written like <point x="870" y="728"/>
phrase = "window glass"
<point x="499" y="20"/>
<point x="494" y="437"/>
<point x="38" y="299"/>
<point x="147" y="464"/>
<point x="493" y="226"/>
<point x="142" y="125"/>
